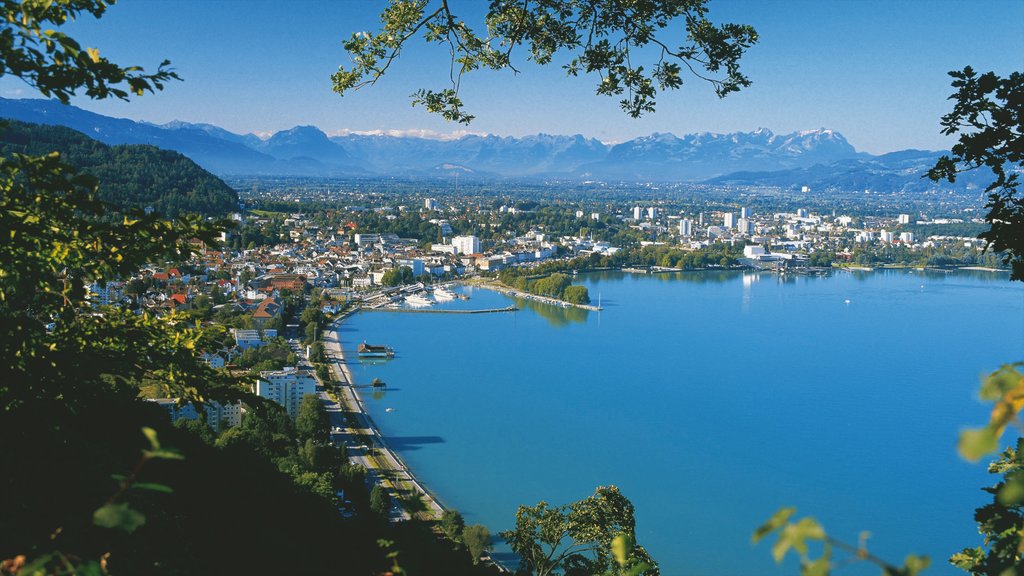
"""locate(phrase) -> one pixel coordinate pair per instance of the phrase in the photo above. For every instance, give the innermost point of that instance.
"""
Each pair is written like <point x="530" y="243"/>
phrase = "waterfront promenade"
<point x="365" y="443"/>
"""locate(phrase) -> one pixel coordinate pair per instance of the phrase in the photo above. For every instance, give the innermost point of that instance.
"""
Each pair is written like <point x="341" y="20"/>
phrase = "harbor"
<point x="443" y="310"/>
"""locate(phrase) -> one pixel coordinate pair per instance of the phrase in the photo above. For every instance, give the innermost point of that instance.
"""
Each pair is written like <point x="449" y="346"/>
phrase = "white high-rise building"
<point x="686" y="227"/>
<point x="802" y="213"/>
<point x="885" y="236"/>
<point x="907" y="237"/>
<point x="286" y="387"/>
<point x="652" y="213"/>
<point x="745" y="226"/>
<point x="638" y="213"/>
<point x="904" y="219"/>
<point x="430" y="204"/>
<point x="730" y="220"/>
<point x="466" y="244"/>
<point x="744" y="212"/>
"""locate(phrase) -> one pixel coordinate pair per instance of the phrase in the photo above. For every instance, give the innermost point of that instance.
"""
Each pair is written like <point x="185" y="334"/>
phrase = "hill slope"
<point x="134" y="175"/>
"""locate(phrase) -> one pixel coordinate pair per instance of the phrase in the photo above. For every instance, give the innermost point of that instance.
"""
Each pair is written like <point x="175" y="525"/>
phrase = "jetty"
<point x="502" y="289"/>
<point x="442" y="310"/>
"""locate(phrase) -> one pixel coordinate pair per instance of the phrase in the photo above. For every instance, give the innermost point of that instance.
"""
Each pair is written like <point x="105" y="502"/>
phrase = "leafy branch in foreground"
<point x="56" y="64"/>
<point x="988" y="114"/>
<point x="797" y="535"/>
<point x="56" y="348"/>
<point x="622" y="41"/>
<point x="591" y="536"/>
<point x="114" y="514"/>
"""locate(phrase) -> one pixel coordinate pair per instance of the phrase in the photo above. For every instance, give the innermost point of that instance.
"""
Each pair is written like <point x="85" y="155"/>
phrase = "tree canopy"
<point x="636" y="47"/>
<point x="988" y="116"/>
<point x="581" y="534"/>
<point x="129" y="176"/>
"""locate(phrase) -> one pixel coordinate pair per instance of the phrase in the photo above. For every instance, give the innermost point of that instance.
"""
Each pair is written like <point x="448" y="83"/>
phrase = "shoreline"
<point x="394" y="469"/>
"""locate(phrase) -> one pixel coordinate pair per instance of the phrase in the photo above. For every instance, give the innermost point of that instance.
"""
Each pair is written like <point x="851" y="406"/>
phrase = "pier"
<point x="502" y="289"/>
<point x="442" y="310"/>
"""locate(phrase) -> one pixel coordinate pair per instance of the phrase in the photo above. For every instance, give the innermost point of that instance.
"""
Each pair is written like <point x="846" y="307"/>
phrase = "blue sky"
<point x="874" y="71"/>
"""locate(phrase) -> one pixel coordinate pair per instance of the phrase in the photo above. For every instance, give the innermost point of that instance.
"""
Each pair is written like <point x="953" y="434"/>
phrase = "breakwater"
<point x="443" y="310"/>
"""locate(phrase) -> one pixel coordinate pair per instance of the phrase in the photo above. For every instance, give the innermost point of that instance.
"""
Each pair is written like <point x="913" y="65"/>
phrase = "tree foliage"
<point x="57" y="65"/>
<point x="477" y="539"/>
<point x="1001" y="522"/>
<point x="312" y="422"/>
<point x="548" y="538"/>
<point x="380" y="501"/>
<point x="988" y="116"/>
<point x="628" y="44"/>
<point x="452" y="525"/>
<point x="129" y="176"/>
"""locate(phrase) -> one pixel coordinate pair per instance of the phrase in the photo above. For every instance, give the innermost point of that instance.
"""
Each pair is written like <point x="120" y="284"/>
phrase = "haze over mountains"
<point x="820" y="158"/>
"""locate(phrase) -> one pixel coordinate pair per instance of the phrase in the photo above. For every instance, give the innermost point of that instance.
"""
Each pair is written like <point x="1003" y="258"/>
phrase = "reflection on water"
<point x="693" y="276"/>
<point x="378" y="393"/>
<point x="555" y="315"/>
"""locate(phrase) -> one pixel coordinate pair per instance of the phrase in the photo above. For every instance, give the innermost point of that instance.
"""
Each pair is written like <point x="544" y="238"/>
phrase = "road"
<point x="365" y="444"/>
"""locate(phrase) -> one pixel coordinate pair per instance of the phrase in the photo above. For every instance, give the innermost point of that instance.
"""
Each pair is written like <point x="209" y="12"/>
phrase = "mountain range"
<point x="822" y="159"/>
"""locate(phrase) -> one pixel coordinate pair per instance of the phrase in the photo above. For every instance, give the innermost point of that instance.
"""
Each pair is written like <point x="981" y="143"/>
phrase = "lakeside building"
<point x="218" y="416"/>
<point x="286" y="387"/>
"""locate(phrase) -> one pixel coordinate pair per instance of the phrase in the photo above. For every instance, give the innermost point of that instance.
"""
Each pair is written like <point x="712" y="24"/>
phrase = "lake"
<point x="711" y="399"/>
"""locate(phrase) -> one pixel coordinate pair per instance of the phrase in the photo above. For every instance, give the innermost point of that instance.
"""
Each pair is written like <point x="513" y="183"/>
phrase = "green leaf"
<point x="795" y="536"/>
<point x="914" y="565"/>
<point x="152" y="486"/>
<point x="165" y="454"/>
<point x="974" y="444"/>
<point x="777" y="520"/>
<point x="998" y="383"/>
<point x="819" y="567"/>
<point x="154" y="443"/>
<point x="119" y="516"/>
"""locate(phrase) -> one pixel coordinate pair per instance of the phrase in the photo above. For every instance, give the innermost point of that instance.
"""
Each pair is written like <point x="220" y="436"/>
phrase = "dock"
<point x="502" y="289"/>
<point x="442" y="310"/>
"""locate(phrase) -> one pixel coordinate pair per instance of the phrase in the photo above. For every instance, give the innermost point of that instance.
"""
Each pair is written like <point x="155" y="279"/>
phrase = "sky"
<point x="876" y="71"/>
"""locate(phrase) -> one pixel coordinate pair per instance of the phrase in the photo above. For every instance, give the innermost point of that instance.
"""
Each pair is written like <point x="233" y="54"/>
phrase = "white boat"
<point x="443" y="295"/>
<point x="389" y="409"/>
<point x="418" y="301"/>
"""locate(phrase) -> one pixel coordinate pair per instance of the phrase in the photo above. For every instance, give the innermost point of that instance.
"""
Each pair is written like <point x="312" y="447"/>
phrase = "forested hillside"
<point x="133" y="175"/>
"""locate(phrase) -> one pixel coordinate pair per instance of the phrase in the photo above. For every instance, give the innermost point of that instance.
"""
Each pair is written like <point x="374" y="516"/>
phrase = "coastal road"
<point x="362" y="436"/>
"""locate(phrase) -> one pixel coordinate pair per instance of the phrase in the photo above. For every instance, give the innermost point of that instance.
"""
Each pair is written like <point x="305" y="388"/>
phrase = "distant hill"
<point x="134" y="175"/>
<point x="822" y="159"/>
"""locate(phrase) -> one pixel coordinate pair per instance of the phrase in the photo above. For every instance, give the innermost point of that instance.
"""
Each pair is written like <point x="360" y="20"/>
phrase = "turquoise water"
<point x="710" y="399"/>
